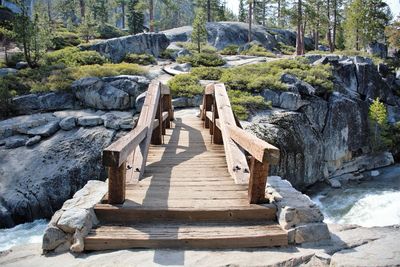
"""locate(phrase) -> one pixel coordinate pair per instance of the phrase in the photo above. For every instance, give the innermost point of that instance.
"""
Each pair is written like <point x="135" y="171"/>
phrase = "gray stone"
<point x="375" y="173"/>
<point x="90" y="121"/>
<point x="111" y="121"/>
<point x="144" y="43"/>
<point x="321" y="61"/>
<point x="302" y="87"/>
<point x="52" y="238"/>
<point x="33" y="140"/>
<point x="15" y="141"/>
<point x="21" y="65"/>
<point x="72" y="219"/>
<point x="378" y="49"/>
<point x="26" y="104"/>
<point x="140" y="101"/>
<point x="180" y="102"/>
<point x="312" y="57"/>
<point x="335" y="183"/>
<point x="312" y="232"/>
<point x="56" y="101"/>
<point x="7" y="71"/>
<point x="68" y="123"/>
<point x="271" y="95"/>
<point x="45" y="130"/>
<point x="291" y="101"/>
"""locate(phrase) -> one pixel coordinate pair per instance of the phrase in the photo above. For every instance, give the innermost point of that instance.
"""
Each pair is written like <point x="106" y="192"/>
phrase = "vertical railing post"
<point x="257" y="181"/>
<point x="156" y="137"/>
<point x="116" y="184"/>
<point x="208" y="102"/>
<point x="217" y="134"/>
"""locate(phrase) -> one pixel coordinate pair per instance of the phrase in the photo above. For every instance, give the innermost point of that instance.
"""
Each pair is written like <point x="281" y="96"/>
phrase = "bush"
<point x="202" y="59"/>
<point x="192" y="47"/>
<point x="256" y="50"/>
<point x="167" y="54"/>
<point x="185" y="85"/>
<point x="73" y="56"/>
<point x="207" y="73"/>
<point x="243" y="103"/>
<point x="106" y="70"/>
<point x="286" y="49"/>
<point x="5" y="98"/>
<point x="14" y="58"/>
<point x="108" y="31"/>
<point x="64" y="39"/>
<point x="230" y="50"/>
<point x="257" y="77"/>
<point x="141" y="59"/>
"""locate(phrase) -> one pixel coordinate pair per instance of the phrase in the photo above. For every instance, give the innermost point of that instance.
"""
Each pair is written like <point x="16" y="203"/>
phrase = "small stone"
<point x="312" y="232"/>
<point x="68" y="123"/>
<point x="335" y="183"/>
<point x="52" y="238"/>
<point x="111" y="121"/>
<point x="89" y="121"/>
<point x="15" y="141"/>
<point x="45" y="130"/>
<point x="33" y="140"/>
<point x="72" y="219"/>
<point x="375" y="173"/>
<point x="21" y="65"/>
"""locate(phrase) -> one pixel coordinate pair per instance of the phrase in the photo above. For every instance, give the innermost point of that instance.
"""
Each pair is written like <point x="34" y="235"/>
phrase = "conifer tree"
<point x="199" y="33"/>
<point x="135" y="17"/>
<point x="242" y="11"/>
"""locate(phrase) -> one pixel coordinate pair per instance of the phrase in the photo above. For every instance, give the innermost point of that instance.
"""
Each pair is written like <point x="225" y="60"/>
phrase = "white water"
<point x="371" y="203"/>
<point x="22" y="234"/>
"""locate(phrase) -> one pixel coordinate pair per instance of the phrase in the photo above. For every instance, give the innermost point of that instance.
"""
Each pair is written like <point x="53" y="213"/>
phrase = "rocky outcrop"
<point x="320" y="136"/>
<point x="115" y="49"/>
<point x="222" y="34"/>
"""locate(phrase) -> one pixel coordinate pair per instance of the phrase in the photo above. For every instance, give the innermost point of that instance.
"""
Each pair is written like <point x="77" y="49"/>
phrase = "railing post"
<point x="156" y="137"/>
<point x="257" y="181"/>
<point x="208" y="102"/>
<point x="217" y="134"/>
<point x="116" y="184"/>
<point x="212" y="121"/>
<point x="167" y="106"/>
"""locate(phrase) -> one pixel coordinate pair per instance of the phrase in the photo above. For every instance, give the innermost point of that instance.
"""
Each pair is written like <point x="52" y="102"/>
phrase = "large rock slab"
<point x="45" y="130"/>
<point x="115" y="49"/>
<point x="50" y="173"/>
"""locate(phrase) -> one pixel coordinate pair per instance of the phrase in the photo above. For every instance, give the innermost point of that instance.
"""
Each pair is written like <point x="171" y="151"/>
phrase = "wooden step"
<point x="133" y="213"/>
<point x="186" y="235"/>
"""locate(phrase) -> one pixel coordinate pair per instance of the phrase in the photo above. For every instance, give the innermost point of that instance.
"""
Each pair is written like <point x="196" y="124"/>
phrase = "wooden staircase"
<point x="186" y="197"/>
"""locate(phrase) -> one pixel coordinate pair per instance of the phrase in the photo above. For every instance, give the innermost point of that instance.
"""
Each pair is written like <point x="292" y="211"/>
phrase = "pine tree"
<point x="135" y="17"/>
<point x="379" y="123"/>
<point x="242" y="11"/>
<point x="393" y="34"/>
<point x="199" y="33"/>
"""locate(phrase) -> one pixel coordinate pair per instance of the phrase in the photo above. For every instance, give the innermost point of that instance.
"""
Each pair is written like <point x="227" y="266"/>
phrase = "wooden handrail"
<point x="226" y="129"/>
<point x="126" y="158"/>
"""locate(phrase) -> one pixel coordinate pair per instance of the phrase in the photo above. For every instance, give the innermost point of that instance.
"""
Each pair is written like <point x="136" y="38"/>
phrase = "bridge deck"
<point x="186" y="198"/>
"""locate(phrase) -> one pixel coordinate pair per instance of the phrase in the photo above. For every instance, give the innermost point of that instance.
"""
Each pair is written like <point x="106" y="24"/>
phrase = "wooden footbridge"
<point x="187" y="182"/>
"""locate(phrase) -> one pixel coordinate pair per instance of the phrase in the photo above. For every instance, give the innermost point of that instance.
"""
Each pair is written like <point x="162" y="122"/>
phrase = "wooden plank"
<point x="118" y="152"/>
<point x="116" y="184"/>
<point x="258" y="181"/>
<point x="256" y="147"/>
<point x="147" y="116"/>
<point x="236" y="160"/>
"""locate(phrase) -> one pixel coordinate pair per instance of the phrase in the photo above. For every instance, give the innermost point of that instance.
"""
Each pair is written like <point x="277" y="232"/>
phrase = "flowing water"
<point x="22" y="234"/>
<point x="373" y="202"/>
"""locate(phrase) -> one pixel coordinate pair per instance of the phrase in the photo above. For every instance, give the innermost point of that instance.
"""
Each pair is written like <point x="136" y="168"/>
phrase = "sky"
<point x="394" y="6"/>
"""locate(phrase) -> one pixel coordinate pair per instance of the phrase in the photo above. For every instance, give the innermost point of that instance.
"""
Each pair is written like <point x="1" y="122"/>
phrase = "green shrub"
<point x="14" y="58"/>
<point x="256" y="50"/>
<point x="185" y="85"/>
<point x="286" y="49"/>
<point x="192" y="47"/>
<point x="73" y="56"/>
<point x="202" y="59"/>
<point x="167" y="54"/>
<point x="141" y="59"/>
<point x="207" y="73"/>
<point x="256" y="77"/>
<point x="106" y="70"/>
<point x="107" y="31"/>
<point x="230" y="50"/>
<point x="243" y="103"/>
<point x="64" y="39"/>
<point x="5" y="98"/>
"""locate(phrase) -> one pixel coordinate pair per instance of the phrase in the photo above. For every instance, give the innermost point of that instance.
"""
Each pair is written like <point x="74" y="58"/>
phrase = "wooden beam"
<point x="116" y="184"/>
<point x="156" y="137"/>
<point x="258" y="181"/>
<point x="147" y="116"/>
<point x="235" y="157"/>
<point x="117" y="153"/>
<point x="256" y="147"/>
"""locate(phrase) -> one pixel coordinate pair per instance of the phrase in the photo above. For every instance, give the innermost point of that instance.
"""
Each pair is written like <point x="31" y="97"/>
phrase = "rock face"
<point x="50" y="173"/>
<point x="33" y="103"/>
<point x="222" y="34"/>
<point x="115" y="49"/>
<point x="325" y="137"/>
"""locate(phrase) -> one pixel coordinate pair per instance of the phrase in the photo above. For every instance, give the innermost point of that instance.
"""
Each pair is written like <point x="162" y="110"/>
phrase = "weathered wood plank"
<point x="116" y="184"/>
<point x="258" y="181"/>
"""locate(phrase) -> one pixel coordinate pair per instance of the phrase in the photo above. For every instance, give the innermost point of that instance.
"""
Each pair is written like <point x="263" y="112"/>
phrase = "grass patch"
<point x="141" y="59"/>
<point x="286" y="49"/>
<point x="243" y="103"/>
<point x="73" y="56"/>
<point x="185" y="85"/>
<point x="202" y="59"/>
<point x="257" y="77"/>
<point x="192" y="47"/>
<point x="167" y="54"/>
<point x="107" y="31"/>
<point x="64" y="39"/>
<point x="230" y="50"/>
<point x="207" y="73"/>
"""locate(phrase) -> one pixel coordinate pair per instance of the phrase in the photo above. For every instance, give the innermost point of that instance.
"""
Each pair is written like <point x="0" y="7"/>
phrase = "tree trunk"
<point x="123" y="14"/>
<point x="316" y="36"/>
<point x="329" y="33"/>
<point x="82" y="7"/>
<point x="49" y="10"/>
<point x="357" y="40"/>
<point x="250" y="19"/>
<point x="299" y="34"/>
<point x="264" y="13"/>
<point x="151" y="15"/>
<point x="334" y="23"/>
<point x="279" y="13"/>
<point x="209" y="10"/>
